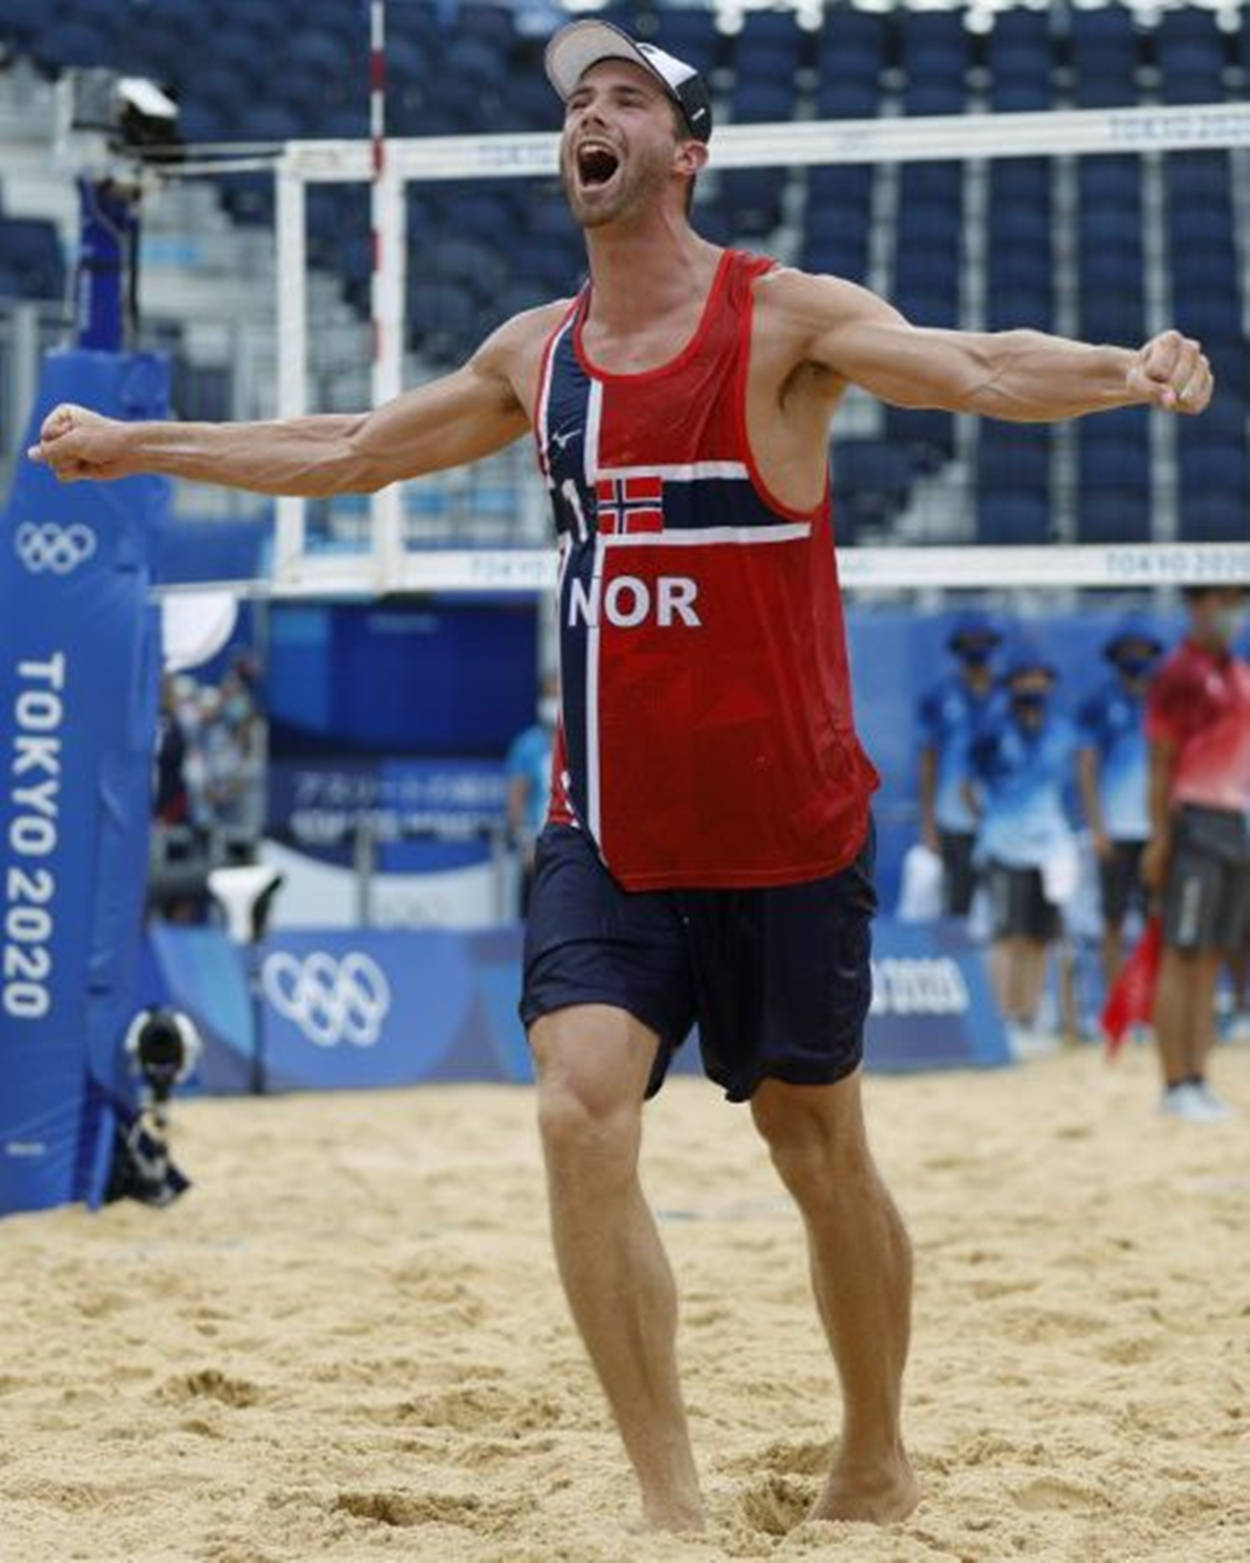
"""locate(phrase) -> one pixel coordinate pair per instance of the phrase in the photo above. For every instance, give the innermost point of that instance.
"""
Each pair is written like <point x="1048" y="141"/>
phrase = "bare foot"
<point x="878" y="1496"/>
<point x="671" y="1517"/>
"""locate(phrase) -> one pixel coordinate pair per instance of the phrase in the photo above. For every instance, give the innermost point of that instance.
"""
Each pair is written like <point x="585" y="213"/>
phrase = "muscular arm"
<point x="1023" y="375"/>
<point x="453" y="420"/>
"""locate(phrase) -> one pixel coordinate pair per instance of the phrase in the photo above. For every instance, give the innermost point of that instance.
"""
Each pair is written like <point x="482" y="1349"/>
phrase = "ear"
<point x="691" y="156"/>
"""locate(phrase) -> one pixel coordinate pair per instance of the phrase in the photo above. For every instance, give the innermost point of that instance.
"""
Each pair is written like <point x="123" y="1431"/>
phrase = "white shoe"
<point x="1217" y="1109"/>
<point x="1190" y="1102"/>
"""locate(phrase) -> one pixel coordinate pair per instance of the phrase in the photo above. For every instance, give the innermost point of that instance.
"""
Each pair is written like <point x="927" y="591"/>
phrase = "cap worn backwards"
<point x="575" y="48"/>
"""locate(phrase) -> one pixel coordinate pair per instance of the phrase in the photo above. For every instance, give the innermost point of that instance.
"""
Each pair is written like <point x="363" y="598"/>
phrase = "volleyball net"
<point x="1101" y="224"/>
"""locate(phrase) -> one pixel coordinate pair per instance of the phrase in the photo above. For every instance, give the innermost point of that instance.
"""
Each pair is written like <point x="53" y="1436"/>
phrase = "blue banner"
<point x="339" y="1010"/>
<point x="79" y="663"/>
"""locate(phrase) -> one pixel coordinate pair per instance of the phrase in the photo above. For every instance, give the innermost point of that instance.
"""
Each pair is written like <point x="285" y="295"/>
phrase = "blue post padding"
<point x="79" y="659"/>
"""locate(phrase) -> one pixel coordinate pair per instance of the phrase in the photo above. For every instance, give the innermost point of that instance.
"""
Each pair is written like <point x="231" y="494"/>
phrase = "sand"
<point x="347" y="1341"/>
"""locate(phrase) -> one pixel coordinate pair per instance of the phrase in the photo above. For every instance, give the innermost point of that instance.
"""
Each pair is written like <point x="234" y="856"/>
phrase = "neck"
<point x="639" y="271"/>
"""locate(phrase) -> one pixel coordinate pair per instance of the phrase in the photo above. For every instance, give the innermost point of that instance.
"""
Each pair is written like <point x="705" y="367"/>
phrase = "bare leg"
<point x="1205" y="980"/>
<point x="1112" y="953"/>
<point x="861" y="1272"/>
<point x="1032" y="979"/>
<point x="593" y="1062"/>
<point x="1173" y="1009"/>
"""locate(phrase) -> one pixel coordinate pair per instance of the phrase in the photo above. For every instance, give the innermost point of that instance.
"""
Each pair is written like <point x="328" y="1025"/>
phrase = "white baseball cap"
<point x="575" y="48"/>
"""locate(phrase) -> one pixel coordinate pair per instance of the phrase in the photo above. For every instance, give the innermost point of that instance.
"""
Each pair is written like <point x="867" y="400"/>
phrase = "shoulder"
<point x="814" y="303"/>
<point x="521" y="337"/>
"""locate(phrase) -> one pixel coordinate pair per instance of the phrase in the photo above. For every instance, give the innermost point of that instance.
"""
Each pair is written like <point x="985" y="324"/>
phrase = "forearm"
<point x="1159" y="792"/>
<point x="1087" y="775"/>
<point x="1029" y="376"/>
<point x="308" y="456"/>
<point x="928" y="791"/>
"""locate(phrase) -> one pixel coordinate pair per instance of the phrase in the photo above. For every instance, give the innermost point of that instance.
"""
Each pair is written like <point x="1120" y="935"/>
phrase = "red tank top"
<point x="707" y="736"/>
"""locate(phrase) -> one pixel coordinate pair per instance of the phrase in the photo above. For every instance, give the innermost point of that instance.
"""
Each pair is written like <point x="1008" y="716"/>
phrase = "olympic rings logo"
<point x="330" y="1001"/>
<point x="57" y="549"/>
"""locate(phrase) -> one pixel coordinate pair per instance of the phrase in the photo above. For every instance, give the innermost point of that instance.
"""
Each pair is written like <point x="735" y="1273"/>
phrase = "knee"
<point x="817" y="1144"/>
<point x="590" y="1132"/>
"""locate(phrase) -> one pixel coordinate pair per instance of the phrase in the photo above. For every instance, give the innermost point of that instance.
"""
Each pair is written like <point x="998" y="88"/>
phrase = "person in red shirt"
<point x="1198" y="855"/>
<point x="709" y="852"/>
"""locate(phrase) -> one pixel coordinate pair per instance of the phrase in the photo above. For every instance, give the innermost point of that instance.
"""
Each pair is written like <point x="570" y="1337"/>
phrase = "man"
<point x="1020" y="762"/>
<point x="707" y="753"/>
<point x="528" y="769"/>
<point x="1198" y="855"/>
<point x="948" y="716"/>
<point x="1111" y="774"/>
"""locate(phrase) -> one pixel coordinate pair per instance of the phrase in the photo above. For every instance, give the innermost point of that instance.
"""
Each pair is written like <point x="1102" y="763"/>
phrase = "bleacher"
<point x="1030" y="233"/>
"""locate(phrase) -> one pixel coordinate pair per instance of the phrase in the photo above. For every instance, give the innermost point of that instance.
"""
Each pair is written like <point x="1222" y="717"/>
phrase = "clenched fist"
<point x="76" y="443"/>
<point x="1172" y="372"/>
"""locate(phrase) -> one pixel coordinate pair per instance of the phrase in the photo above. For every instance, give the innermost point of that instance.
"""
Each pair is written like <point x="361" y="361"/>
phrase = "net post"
<point x="292" y="319"/>
<point x="388" y="285"/>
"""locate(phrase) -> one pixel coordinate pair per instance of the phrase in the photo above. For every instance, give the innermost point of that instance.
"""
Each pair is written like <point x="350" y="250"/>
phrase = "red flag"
<point x="1131" y="1001"/>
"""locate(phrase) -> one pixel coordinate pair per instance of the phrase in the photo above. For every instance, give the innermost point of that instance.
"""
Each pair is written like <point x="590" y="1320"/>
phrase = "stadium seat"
<point x="752" y="199"/>
<point x="1007" y="307"/>
<point x="871" y="480"/>
<point x="926" y="434"/>
<point x="1020" y="181"/>
<point x="1104" y="90"/>
<point x="841" y="186"/>
<point x="1004" y="462"/>
<point x="30" y="252"/>
<point x="847" y="100"/>
<point x="1109" y="179"/>
<point x="763" y="102"/>
<point x="845" y="31"/>
<point x="21" y="20"/>
<point x="940" y="183"/>
<point x="926" y="224"/>
<point x="1013" y="517"/>
<point x="691" y="35"/>
<point x="1014" y="222"/>
<point x="1113" y="515"/>
<point x="767" y="48"/>
<point x="1010" y="95"/>
<point x="936" y="96"/>
<point x="841" y="256"/>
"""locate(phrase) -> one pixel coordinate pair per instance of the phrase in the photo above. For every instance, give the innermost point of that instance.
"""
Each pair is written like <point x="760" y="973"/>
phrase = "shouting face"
<point x="620" y="148"/>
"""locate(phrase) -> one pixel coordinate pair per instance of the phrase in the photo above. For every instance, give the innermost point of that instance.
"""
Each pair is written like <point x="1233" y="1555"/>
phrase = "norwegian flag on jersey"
<point x="633" y="504"/>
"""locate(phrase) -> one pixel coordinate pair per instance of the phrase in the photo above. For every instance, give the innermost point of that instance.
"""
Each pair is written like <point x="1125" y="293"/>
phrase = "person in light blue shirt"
<point x="528" y="769"/>
<point x="1020" y="762"/>
<point x="1113" y="772"/>
<point x="947" y="715"/>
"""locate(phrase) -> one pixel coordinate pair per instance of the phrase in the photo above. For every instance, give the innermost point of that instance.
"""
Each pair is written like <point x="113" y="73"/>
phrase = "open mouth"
<point x="596" y="164"/>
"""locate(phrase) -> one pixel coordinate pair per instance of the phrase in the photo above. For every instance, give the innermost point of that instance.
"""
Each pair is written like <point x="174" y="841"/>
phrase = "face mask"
<point x="1029" y="702"/>
<point x="548" y="710"/>
<point x="1135" y="667"/>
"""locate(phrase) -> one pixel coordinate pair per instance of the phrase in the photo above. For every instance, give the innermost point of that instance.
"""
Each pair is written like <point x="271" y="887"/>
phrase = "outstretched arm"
<point x="1024" y="375"/>
<point x="456" y="419"/>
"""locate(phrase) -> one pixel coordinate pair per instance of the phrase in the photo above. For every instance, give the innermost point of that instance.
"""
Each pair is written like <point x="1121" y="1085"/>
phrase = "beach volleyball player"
<point x="710" y="847"/>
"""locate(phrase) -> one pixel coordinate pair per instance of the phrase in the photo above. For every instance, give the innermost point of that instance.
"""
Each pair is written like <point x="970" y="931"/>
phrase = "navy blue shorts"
<point x="778" y="979"/>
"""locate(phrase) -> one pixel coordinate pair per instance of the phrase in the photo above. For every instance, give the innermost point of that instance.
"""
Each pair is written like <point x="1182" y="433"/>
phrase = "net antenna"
<point x="393" y="163"/>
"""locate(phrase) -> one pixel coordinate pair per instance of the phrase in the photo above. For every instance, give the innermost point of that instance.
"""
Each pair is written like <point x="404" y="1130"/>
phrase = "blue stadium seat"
<point x="1104" y="90"/>
<point x="21" y="20"/>
<point x="1111" y="179"/>
<point x="752" y="198"/>
<point x="1010" y="95"/>
<point x="30" y="251"/>
<point x="937" y="96"/>
<point x="59" y="45"/>
<point x="1007" y="307"/>
<point x="1207" y="314"/>
<point x="1018" y="265"/>
<point x="471" y="60"/>
<point x="1010" y="60"/>
<point x="1191" y="87"/>
<point x="923" y="224"/>
<point x="843" y="186"/>
<point x="841" y="256"/>
<point x="1013" y="222"/>
<point x="1117" y="315"/>
<point x="1020" y="181"/>
<point x="1198" y="175"/>
<point x="1195" y="270"/>
<point x="934" y="183"/>
<point x="1199" y="226"/>
<point x="691" y="35"/>
<point x="1109" y="29"/>
<point x="1119" y="227"/>
<point x="1014" y="518"/>
<point x="871" y="480"/>
<point x="1113" y="515"/>
<point x="1021" y="26"/>
<point x="1109" y="268"/>
<point x="1213" y="516"/>
<point x="927" y="434"/>
<point x="767" y="48"/>
<point x="441" y="319"/>
<point x="847" y="100"/>
<point x="1007" y="463"/>
<point x="493" y="25"/>
<point x="845" y="30"/>
<point x="764" y="102"/>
